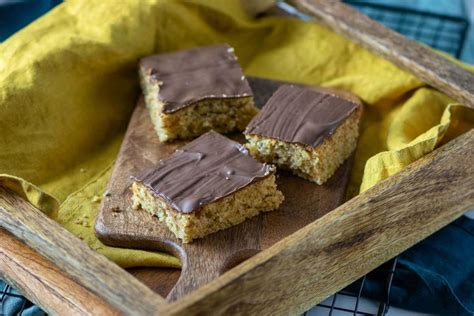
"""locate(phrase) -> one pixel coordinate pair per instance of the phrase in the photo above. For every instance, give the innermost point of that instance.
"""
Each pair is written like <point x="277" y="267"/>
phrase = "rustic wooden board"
<point x="205" y="259"/>
<point x="160" y="280"/>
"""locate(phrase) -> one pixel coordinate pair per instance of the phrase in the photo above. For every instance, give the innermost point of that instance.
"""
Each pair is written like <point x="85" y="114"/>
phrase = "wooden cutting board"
<point x="203" y="260"/>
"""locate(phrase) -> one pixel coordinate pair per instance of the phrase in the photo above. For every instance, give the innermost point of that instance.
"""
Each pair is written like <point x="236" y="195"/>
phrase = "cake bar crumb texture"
<point x="306" y="131"/>
<point x="193" y="91"/>
<point x="208" y="185"/>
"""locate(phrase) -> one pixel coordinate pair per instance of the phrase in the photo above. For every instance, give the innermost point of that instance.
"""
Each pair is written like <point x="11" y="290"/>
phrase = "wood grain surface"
<point x="405" y="53"/>
<point x="73" y="257"/>
<point x="205" y="259"/>
<point x="44" y="283"/>
<point x="323" y="257"/>
<point x="160" y="280"/>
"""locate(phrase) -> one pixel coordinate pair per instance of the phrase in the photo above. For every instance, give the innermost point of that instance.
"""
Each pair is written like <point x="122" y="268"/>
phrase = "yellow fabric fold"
<point x="30" y="192"/>
<point x="69" y="83"/>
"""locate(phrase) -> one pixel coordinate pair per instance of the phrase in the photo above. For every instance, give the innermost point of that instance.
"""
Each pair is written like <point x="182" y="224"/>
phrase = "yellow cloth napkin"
<point x="69" y="83"/>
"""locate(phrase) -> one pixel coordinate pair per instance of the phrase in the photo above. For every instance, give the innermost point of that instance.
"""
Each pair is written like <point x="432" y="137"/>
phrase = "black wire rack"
<point x="441" y="31"/>
<point x="354" y="292"/>
<point x="7" y="293"/>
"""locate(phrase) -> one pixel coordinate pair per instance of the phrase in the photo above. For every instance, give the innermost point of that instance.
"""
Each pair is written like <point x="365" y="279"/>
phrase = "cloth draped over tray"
<point x="69" y="84"/>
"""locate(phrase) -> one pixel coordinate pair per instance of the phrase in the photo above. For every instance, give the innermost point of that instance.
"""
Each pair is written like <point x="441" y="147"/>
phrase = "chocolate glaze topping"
<point x="298" y="114"/>
<point x="205" y="170"/>
<point x="195" y="74"/>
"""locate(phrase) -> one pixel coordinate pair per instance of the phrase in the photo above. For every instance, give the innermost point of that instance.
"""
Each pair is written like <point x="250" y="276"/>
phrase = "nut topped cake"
<point x="192" y="91"/>
<point x="208" y="185"/>
<point x="307" y="131"/>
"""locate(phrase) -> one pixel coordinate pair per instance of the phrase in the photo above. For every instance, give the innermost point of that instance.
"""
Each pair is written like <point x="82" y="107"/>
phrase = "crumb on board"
<point x="116" y="209"/>
<point x="82" y="222"/>
<point x="96" y="199"/>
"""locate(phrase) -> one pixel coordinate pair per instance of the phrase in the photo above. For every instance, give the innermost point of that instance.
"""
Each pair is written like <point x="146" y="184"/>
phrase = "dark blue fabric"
<point x="15" y="14"/>
<point x="434" y="276"/>
<point x="13" y="303"/>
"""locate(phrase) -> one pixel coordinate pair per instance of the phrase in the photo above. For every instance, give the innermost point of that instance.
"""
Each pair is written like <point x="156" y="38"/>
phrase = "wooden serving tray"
<point x="63" y="275"/>
<point x="205" y="259"/>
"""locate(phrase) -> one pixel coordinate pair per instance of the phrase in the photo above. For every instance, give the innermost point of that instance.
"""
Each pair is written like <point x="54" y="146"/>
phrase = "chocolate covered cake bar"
<point x="306" y="131"/>
<point x="208" y="185"/>
<point x="193" y="91"/>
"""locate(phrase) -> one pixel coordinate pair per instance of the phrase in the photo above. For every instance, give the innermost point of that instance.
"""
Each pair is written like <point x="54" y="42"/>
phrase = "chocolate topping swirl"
<point x="205" y="170"/>
<point x="196" y="74"/>
<point x="298" y="114"/>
